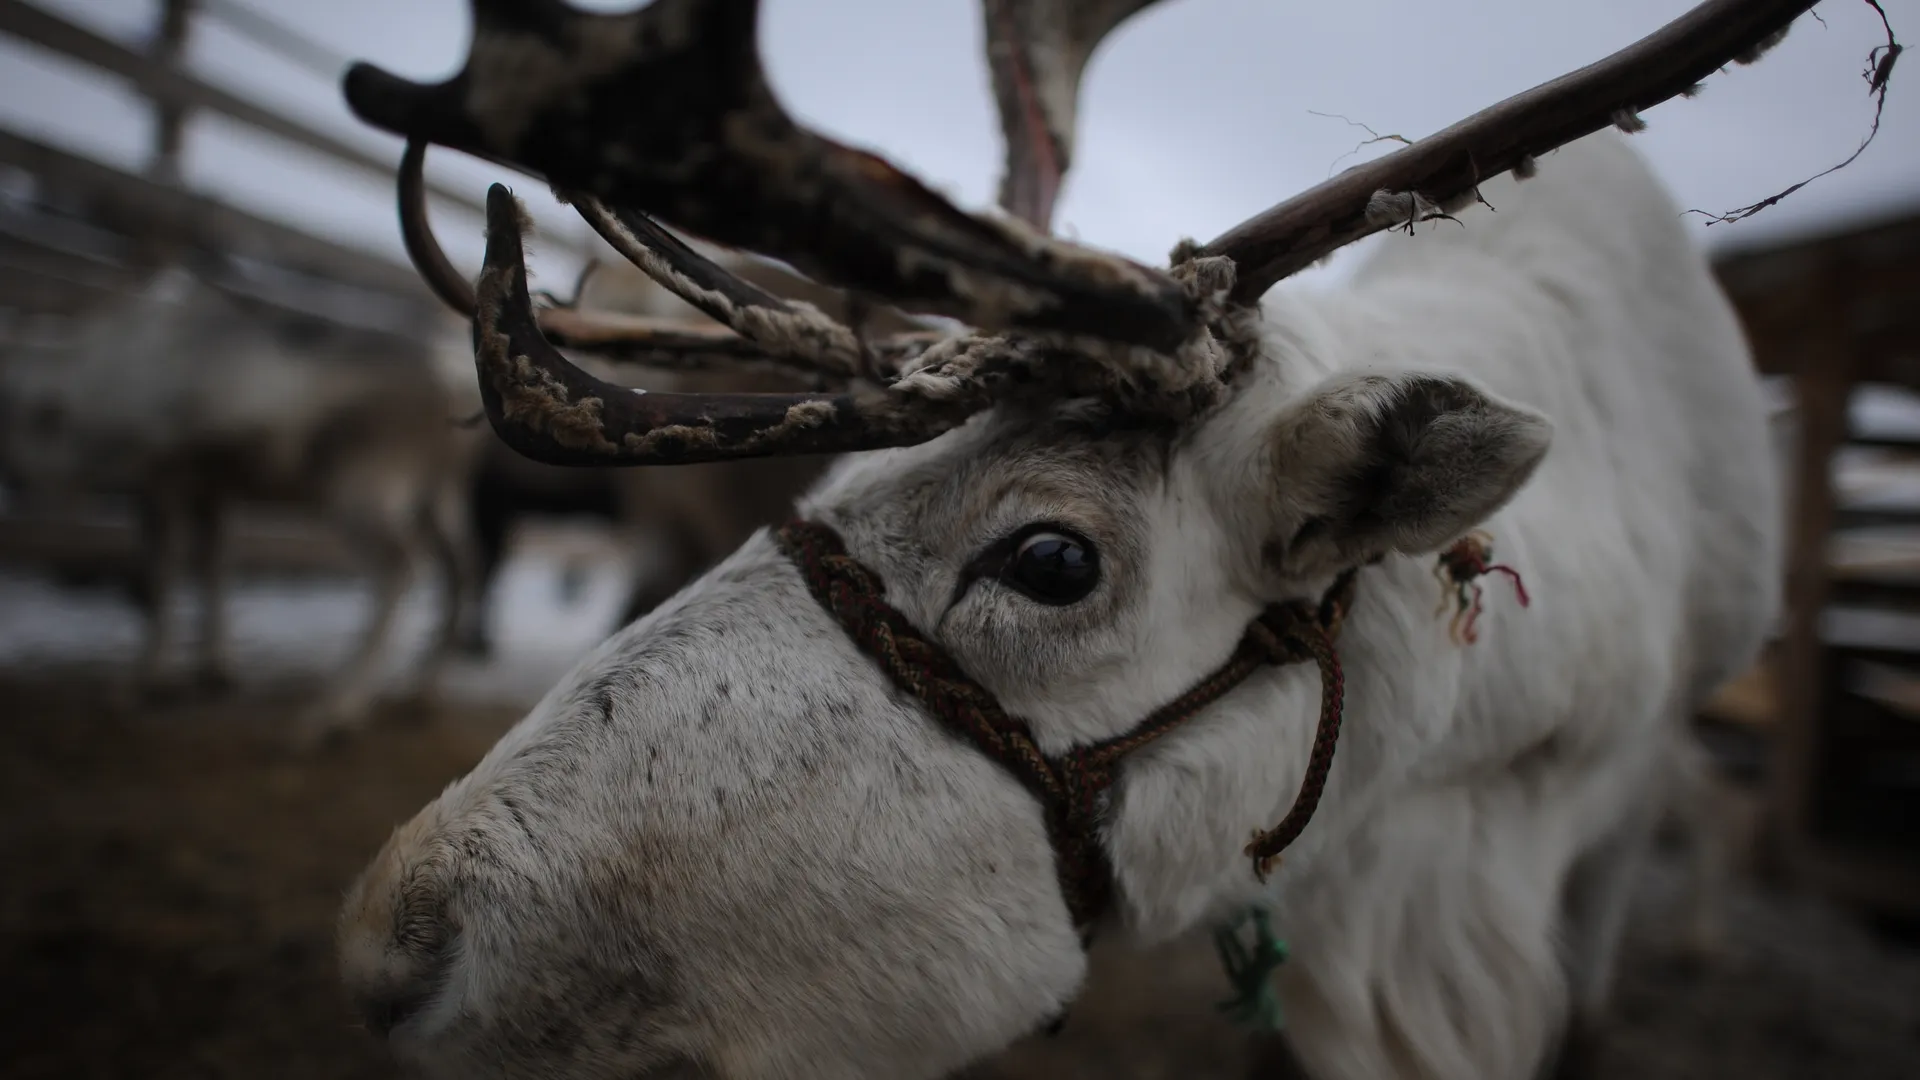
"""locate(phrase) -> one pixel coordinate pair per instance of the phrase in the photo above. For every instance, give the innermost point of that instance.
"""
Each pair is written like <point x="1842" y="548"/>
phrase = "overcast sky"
<point x="1196" y="114"/>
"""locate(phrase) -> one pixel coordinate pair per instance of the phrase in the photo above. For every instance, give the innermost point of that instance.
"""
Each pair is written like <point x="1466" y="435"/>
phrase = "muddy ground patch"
<point x="172" y="875"/>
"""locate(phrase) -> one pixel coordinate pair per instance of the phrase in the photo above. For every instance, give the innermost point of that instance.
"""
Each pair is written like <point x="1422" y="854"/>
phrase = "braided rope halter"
<point x="1071" y="786"/>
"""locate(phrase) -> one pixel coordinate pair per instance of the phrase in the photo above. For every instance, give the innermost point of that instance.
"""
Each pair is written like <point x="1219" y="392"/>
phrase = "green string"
<point x="1255" y="1003"/>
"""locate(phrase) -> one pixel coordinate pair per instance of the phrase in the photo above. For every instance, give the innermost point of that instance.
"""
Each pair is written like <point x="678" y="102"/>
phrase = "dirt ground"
<point x="171" y="878"/>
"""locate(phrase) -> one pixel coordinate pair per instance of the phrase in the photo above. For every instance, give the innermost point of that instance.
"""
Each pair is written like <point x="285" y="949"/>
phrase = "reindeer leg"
<point x="1599" y="893"/>
<point x="383" y="541"/>
<point x="1699" y="810"/>
<point x="489" y="509"/>
<point x="214" y="569"/>
<point x="444" y="528"/>
<point x="160" y="526"/>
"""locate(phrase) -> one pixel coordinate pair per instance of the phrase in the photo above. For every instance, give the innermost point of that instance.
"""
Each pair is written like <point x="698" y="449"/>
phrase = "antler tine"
<point x="551" y="411"/>
<point x="659" y="344"/>
<point x="1037" y="50"/>
<point x="666" y="109"/>
<point x="623" y="339"/>
<point x="793" y="330"/>
<point x="416" y="232"/>
<point x="665" y="344"/>
<point x="1418" y="181"/>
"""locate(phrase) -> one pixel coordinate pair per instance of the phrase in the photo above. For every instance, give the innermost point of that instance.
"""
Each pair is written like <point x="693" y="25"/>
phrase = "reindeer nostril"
<point x="411" y="980"/>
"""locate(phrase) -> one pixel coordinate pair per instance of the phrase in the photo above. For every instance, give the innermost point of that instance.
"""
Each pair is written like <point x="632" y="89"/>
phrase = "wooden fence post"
<point x="1824" y="375"/>
<point x="169" y="113"/>
<point x="163" y="243"/>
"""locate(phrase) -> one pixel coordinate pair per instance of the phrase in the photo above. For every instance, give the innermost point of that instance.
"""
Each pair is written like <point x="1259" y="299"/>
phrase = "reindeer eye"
<point x="1053" y="568"/>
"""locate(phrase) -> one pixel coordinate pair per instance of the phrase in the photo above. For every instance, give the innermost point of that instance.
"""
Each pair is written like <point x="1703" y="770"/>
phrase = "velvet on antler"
<point x="661" y="119"/>
<point x="666" y="111"/>
<point x="726" y="161"/>
<point x="1037" y="51"/>
<point x="1420" y="180"/>
<point x="550" y="410"/>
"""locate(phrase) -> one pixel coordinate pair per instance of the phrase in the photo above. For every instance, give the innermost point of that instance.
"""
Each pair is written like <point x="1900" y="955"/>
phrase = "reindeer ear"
<point x="1369" y="464"/>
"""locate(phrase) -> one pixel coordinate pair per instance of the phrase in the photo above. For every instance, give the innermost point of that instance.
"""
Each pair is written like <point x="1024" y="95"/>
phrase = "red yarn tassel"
<point x="1458" y="570"/>
<point x="1519" y="587"/>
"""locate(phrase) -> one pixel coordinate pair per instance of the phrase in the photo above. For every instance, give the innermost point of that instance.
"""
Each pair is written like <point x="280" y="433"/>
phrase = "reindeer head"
<point x="743" y="839"/>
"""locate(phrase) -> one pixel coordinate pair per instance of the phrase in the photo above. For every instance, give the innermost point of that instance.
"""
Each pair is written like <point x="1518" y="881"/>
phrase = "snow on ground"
<point x="556" y="597"/>
<point x="561" y="590"/>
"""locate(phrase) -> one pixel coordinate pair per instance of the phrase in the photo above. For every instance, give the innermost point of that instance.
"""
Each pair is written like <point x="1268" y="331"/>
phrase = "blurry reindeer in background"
<point x="1120" y="566"/>
<point x="193" y="399"/>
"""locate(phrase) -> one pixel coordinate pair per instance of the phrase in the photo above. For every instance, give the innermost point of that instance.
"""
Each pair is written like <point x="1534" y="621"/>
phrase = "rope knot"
<point x="1281" y="633"/>
<point x="1459" y="569"/>
<point x="1085" y="774"/>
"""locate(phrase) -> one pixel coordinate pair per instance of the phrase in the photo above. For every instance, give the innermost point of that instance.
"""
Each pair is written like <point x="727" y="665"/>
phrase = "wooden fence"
<point x="1837" y="707"/>
<point x="93" y="228"/>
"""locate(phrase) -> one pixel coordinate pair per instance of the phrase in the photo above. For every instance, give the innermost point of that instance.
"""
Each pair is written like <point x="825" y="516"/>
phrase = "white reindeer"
<point x="854" y="815"/>
<point x="193" y="399"/>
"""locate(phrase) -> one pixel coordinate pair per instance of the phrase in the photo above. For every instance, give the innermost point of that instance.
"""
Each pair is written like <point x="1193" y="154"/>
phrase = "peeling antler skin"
<point x="1450" y="165"/>
<point x="651" y="343"/>
<point x="662" y="344"/>
<point x="666" y="110"/>
<point x="793" y="330"/>
<point x="676" y="345"/>
<point x="549" y="410"/>
<point x="1037" y="51"/>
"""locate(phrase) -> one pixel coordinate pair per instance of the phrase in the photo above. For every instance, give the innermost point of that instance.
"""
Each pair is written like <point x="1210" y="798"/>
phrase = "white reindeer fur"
<point x="725" y="847"/>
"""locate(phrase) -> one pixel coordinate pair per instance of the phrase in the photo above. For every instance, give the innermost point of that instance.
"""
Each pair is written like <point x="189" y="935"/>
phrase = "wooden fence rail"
<point x="155" y="209"/>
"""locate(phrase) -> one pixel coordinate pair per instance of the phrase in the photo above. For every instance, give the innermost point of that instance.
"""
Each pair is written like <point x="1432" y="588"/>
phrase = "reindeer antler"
<point x="1441" y="169"/>
<point x="1036" y="52"/>
<point x="664" y="115"/>
<point x="805" y="341"/>
<point x="666" y="110"/>
<point x="791" y="329"/>
<point x="551" y="411"/>
<point x="699" y="140"/>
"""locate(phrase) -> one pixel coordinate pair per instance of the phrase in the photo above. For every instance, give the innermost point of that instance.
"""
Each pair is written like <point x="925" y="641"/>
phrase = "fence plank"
<point x="133" y="205"/>
<point x="180" y="90"/>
